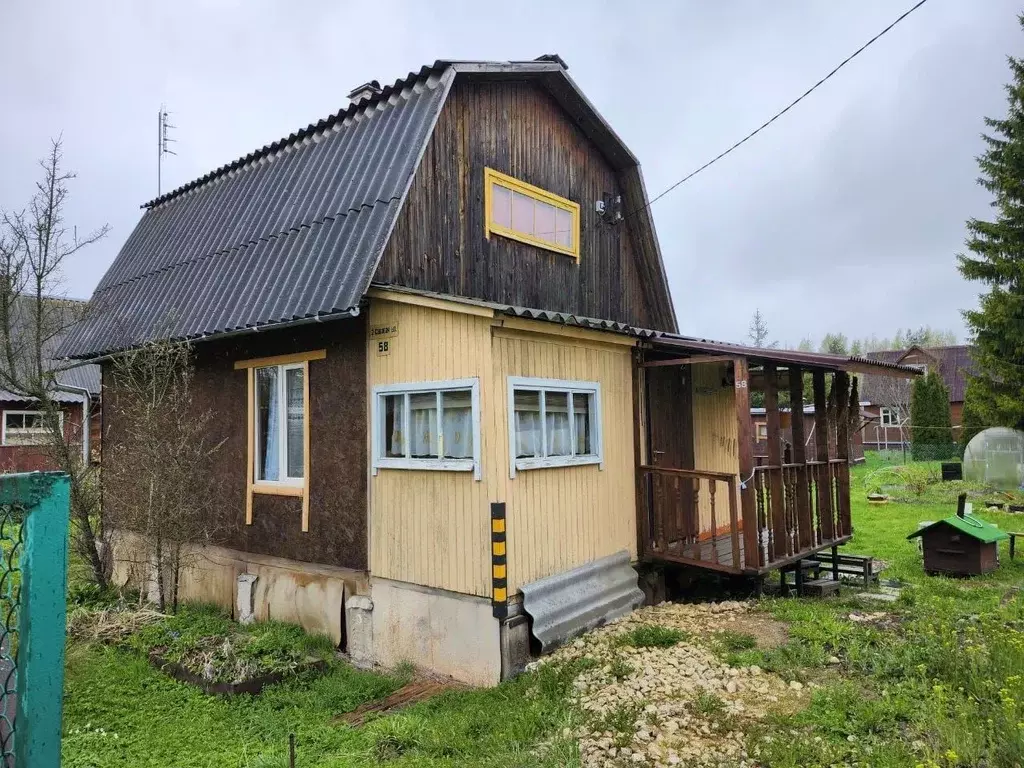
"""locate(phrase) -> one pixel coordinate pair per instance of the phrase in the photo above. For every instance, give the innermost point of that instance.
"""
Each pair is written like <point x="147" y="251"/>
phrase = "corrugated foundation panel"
<point x="430" y="527"/>
<point x="562" y="517"/>
<point x="714" y="437"/>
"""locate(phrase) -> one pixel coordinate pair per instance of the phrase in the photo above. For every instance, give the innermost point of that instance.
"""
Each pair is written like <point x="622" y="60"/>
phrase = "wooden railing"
<point x="800" y="507"/>
<point x="691" y="517"/>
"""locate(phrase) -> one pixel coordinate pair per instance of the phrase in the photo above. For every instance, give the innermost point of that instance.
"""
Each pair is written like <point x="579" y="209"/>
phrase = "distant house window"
<point x="531" y="215"/>
<point x="26" y="427"/>
<point x="427" y="425"/>
<point x="280" y="424"/>
<point x="762" y="431"/>
<point x="553" y="423"/>
<point x="890" y="417"/>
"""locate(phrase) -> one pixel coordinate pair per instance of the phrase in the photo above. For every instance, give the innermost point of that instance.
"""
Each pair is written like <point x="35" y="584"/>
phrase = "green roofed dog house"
<point x="961" y="544"/>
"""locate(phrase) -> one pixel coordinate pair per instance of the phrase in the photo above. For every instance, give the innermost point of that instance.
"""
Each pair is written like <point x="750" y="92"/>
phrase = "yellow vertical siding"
<point x="715" y="442"/>
<point x="430" y="527"/>
<point x="562" y="517"/>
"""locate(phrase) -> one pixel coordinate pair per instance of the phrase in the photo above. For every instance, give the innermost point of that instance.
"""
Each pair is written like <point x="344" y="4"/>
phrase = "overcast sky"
<point x="844" y="215"/>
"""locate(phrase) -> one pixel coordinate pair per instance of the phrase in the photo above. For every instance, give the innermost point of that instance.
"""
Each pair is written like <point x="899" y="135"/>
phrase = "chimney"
<point x="961" y="503"/>
<point x="364" y="91"/>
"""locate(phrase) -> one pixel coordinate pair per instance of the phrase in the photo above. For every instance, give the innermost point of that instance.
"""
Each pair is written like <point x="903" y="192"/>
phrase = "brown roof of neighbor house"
<point x="955" y="366"/>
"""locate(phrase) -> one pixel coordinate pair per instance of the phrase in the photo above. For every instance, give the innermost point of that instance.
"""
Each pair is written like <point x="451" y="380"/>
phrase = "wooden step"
<point x="821" y="588"/>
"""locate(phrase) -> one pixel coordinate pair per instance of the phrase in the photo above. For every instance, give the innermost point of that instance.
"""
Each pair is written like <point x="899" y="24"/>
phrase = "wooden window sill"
<point x="278" y="489"/>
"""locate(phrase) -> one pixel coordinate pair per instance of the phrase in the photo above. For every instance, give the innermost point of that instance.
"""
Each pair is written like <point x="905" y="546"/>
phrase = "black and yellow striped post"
<point x="499" y="567"/>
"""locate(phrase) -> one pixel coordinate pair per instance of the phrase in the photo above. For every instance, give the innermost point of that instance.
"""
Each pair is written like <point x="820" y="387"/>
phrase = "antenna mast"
<point x="163" y="140"/>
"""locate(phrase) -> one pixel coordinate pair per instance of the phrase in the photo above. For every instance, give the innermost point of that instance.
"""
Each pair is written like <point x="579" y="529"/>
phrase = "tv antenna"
<point x="163" y="140"/>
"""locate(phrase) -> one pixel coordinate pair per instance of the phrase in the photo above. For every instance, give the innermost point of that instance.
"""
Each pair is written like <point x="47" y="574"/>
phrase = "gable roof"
<point x="293" y="232"/>
<point x="970" y="525"/>
<point x="954" y="364"/>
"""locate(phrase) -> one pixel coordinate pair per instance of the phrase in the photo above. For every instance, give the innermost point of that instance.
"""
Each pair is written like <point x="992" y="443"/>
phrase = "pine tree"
<point x="995" y="395"/>
<point x="931" y="434"/>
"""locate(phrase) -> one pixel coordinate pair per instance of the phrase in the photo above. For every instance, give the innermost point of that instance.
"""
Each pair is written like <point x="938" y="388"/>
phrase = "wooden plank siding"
<point x="433" y="527"/>
<point x="439" y="242"/>
<point x="716" y="446"/>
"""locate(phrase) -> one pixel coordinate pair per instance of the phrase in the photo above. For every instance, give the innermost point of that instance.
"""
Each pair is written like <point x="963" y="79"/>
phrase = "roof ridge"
<point x="323" y="125"/>
<point x="246" y="244"/>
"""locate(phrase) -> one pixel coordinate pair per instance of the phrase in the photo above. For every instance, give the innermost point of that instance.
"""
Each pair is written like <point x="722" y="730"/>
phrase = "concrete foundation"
<point x="445" y="632"/>
<point x="287" y="590"/>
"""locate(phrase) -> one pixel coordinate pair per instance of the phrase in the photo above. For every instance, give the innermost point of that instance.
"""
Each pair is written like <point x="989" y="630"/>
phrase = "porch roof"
<point x="851" y="363"/>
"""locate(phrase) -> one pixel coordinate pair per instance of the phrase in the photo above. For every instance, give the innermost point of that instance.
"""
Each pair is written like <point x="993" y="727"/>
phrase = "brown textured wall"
<point x="438" y="243"/>
<point x="337" y="384"/>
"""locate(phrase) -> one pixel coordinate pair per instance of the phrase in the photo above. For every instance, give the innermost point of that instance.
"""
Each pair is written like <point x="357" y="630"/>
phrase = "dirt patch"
<point x="416" y="691"/>
<point x="768" y="632"/>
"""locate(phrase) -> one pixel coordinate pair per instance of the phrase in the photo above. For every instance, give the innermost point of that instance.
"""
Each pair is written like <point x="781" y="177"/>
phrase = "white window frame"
<point x="282" y="426"/>
<point x="760" y="431"/>
<point x="41" y="414"/>
<point x="440" y="464"/>
<point x="592" y="388"/>
<point x="892" y="414"/>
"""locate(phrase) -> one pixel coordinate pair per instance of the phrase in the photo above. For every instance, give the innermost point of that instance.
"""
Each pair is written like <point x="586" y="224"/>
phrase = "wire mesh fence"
<point x="11" y="547"/>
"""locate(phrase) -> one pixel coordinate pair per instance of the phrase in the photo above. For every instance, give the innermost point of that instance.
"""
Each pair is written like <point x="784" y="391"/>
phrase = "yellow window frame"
<point x="512" y="184"/>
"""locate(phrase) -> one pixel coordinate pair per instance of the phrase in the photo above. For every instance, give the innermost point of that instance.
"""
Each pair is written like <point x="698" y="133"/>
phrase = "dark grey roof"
<point x="294" y="231"/>
<point x="954" y="363"/>
<point x="291" y="231"/>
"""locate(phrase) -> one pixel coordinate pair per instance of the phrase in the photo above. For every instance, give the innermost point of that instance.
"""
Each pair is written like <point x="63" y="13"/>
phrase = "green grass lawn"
<point x="937" y="681"/>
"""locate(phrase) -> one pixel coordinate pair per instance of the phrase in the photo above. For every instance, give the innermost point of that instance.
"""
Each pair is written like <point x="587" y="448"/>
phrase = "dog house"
<point x="960" y="545"/>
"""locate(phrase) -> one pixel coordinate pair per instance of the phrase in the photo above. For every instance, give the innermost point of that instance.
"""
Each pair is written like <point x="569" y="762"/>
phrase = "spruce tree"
<point x="931" y="434"/>
<point x="995" y="394"/>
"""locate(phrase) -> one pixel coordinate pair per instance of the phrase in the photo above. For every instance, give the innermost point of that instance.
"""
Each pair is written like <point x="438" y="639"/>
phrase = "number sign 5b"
<point x="384" y="337"/>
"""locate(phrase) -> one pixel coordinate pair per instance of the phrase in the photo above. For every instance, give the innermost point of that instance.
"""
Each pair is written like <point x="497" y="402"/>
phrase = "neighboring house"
<point x="23" y="433"/>
<point x="887" y="404"/>
<point x="759" y="432"/>
<point x="437" y="340"/>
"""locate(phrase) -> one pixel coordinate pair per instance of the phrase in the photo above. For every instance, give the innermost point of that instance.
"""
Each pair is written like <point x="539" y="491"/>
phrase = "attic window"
<point x="529" y="214"/>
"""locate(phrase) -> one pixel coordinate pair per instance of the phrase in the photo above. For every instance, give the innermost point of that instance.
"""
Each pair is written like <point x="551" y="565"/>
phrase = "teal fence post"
<point x="42" y="614"/>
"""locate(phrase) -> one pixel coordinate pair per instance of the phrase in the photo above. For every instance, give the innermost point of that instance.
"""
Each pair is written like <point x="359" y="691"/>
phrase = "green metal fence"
<point x="33" y="581"/>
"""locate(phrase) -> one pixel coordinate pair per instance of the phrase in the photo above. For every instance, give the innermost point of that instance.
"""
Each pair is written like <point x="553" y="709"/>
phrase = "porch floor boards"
<point x="703" y="555"/>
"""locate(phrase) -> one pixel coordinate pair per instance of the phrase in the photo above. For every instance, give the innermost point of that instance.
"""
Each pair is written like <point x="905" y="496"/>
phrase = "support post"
<point x="778" y="524"/>
<point x="821" y="439"/>
<point x="745" y="451"/>
<point x="842" y="386"/>
<point x="805" y="523"/>
<point x="643" y="532"/>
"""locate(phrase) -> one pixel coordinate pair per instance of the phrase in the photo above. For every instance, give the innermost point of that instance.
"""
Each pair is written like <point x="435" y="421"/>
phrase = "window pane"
<point x="526" y="414"/>
<point x="457" y="434"/>
<point x="563" y="228"/>
<point x="501" y="205"/>
<point x="394" y="425"/>
<point x="522" y="213"/>
<point x="268" y="424"/>
<point x="581" y="413"/>
<point x="423" y="431"/>
<point x="556" y="410"/>
<point x="296" y="418"/>
<point x="13" y="420"/>
<point x="545" y="221"/>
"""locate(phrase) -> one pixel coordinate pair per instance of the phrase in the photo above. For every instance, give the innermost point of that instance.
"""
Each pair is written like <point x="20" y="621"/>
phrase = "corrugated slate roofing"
<point x="955" y="366"/>
<point x="289" y="232"/>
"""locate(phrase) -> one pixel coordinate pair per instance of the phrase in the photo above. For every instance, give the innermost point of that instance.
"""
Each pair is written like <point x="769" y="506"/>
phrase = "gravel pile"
<point x="673" y="706"/>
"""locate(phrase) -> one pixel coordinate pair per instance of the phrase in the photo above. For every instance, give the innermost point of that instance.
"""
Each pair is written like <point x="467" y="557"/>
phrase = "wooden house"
<point x="435" y="333"/>
<point x="960" y="545"/>
<point x="759" y="434"/>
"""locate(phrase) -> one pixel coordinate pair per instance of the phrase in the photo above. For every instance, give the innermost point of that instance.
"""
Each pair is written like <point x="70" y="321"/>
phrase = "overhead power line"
<point x="783" y="111"/>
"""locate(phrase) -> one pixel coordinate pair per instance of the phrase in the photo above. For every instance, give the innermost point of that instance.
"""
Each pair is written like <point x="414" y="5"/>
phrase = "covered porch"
<point x="702" y="499"/>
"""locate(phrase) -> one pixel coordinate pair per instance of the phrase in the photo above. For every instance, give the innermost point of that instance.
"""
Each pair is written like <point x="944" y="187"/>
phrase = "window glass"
<point x="581" y="415"/>
<point x="563" y="228"/>
<point x="268" y="424"/>
<point x="394" y="425"/>
<point x="423" y="425"/>
<point x="501" y="205"/>
<point x="295" y="394"/>
<point x="527" y="423"/>
<point x="522" y="213"/>
<point x="556" y="415"/>
<point x="457" y="424"/>
<point x="544" y="221"/>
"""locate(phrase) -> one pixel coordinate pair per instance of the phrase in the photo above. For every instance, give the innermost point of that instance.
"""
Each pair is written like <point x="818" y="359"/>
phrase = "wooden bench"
<point x="858" y="566"/>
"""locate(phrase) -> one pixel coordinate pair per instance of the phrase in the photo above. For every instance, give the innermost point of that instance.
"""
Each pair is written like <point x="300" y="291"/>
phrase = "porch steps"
<point x="821" y="588"/>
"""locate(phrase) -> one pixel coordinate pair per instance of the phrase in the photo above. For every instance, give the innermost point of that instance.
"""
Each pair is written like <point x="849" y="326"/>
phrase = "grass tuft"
<point x="651" y="636"/>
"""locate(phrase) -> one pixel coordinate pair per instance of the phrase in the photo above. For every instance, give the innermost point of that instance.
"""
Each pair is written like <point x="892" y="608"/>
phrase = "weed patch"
<point x="651" y="636"/>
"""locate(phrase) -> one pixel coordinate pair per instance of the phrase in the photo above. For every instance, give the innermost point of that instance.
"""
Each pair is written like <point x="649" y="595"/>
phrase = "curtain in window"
<point x="457" y="424"/>
<point x="527" y="434"/>
<point x="556" y="413"/>
<point x="269" y="422"/>
<point x="423" y="432"/>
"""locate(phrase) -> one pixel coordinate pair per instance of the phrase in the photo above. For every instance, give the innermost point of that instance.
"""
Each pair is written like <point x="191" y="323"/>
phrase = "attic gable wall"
<point x="438" y="243"/>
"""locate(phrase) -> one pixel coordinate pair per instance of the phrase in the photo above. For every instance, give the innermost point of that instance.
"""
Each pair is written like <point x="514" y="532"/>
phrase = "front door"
<point x="670" y="420"/>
